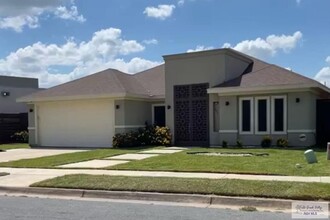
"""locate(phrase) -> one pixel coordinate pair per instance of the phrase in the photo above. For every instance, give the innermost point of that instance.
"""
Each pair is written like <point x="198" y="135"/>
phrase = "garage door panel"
<point x="76" y="123"/>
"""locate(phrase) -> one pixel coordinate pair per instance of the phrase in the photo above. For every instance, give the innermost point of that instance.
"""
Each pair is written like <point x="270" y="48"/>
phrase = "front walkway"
<point x="23" y="177"/>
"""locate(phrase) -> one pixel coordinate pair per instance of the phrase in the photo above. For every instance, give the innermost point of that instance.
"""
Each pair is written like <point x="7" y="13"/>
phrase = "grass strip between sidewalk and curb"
<point x="223" y="187"/>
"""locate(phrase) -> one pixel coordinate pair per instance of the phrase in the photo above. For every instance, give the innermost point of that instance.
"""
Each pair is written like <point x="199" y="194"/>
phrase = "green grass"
<point x="279" y="162"/>
<point x="56" y="160"/>
<point x="13" y="146"/>
<point x="225" y="187"/>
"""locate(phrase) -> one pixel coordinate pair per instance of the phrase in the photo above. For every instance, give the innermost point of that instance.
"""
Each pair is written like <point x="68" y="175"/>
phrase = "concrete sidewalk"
<point x="24" y="177"/>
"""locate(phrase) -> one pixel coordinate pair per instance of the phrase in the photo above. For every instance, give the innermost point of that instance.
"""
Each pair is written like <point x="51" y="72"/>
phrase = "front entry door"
<point x="191" y="106"/>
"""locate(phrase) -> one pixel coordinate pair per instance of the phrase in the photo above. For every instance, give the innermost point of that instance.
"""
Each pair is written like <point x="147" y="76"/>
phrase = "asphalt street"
<point x="54" y="208"/>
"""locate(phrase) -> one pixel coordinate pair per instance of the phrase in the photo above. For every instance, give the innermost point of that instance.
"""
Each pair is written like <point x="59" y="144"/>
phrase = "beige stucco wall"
<point x="86" y="123"/>
<point x="31" y="124"/>
<point x="207" y="67"/>
<point x="301" y="119"/>
<point x="228" y="120"/>
<point x="234" y="67"/>
<point x="132" y="114"/>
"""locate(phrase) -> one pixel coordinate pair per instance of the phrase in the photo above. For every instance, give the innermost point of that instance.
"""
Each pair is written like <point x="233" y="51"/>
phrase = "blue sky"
<point x="60" y="40"/>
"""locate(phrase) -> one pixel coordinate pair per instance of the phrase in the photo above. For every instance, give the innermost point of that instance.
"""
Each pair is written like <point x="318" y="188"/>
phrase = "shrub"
<point x="266" y="142"/>
<point x="162" y="136"/>
<point x="224" y="144"/>
<point x="239" y="144"/>
<point x="282" y="142"/>
<point x="21" y="136"/>
<point x="149" y="135"/>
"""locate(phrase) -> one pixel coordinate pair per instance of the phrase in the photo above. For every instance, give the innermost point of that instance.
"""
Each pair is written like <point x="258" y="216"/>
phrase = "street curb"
<point x="151" y="196"/>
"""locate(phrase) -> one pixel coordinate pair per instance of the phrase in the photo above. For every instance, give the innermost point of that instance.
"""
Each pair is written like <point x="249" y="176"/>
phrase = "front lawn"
<point x="56" y="160"/>
<point x="13" y="146"/>
<point x="224" y="187"/>
<point x="279" y="162"/>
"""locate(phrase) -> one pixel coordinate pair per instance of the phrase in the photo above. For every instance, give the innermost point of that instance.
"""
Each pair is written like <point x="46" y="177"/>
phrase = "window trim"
<point x="241" y="115"/>
<point x="256" y="112"/>
<point x="153" y="111"/>
<point x="285" y="109"/>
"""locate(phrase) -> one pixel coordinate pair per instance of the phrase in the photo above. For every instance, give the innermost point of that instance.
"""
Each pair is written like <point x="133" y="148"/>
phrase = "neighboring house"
<point x="205" y="98"/>
<point x="13" y="115"/>
<point x="12" y="88"/>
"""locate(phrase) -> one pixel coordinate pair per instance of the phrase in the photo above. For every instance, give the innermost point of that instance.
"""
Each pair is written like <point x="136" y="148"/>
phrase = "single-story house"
<point x="205" y="98"/>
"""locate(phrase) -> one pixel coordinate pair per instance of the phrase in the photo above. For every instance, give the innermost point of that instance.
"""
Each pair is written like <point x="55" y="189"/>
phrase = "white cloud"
<point x="263" y="48"/>
<point x="69" y="14"/>
<point x="18" y="22"/>
<point x="50" y="62"/>
<point x="181" y="2"/>
<point x="324" y="74"/>
<point x="327" y="59"/>
<point x="199" y="48"/>
<point x="17" y="14"/>
<point x="161" y="12"/>
<point x="151" y="41"/>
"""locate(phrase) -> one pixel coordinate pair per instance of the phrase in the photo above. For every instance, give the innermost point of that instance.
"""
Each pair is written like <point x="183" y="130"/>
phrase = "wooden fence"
<point x="11" y="123"/>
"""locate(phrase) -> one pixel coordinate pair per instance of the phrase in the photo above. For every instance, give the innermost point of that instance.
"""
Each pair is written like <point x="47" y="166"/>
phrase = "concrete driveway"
<point x="18" y="154"/>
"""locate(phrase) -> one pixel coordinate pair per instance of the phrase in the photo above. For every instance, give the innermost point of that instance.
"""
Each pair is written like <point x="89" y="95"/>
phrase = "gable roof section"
<point x="107" y="83"/>
<point x="262" y="76"/>
<point x="155" y="75"/>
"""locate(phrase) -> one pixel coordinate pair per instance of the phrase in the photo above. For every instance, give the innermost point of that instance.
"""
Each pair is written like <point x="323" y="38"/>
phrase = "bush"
<point x="239" y="144"/>
<point x="282" y="142"/>
<point x="266" y="142"/>
<point x="149" y="135"/>
<point x="21" y="137"/>
<point x="224" y="144"/>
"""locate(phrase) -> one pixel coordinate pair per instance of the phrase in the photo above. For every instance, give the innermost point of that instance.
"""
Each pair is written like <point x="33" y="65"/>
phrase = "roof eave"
<point x="223" y="91"/>
<point x="83" y="97"/>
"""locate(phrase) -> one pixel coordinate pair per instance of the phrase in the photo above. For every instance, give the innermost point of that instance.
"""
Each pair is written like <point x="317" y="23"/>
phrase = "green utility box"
<point x="310" y="156"/>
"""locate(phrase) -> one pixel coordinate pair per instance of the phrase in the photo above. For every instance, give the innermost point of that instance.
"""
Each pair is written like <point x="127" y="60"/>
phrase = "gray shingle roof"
<point x="151" y="83"/>
<point x="261" y="74"/>
<point x="108" y="82"/>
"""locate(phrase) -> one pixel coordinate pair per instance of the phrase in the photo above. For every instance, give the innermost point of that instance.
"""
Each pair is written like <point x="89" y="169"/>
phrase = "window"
<point x="216" y="119"/>
<point x="262" y="115"/>
<point x="259" y="115"/>
<point x="246" y="115"/>
<point x="279" y="115"/>
<point x="158" y="115"/>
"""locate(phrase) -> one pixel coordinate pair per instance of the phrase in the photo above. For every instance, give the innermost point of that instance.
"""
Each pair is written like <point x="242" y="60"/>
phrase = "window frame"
<point x="241" y="99"/>
<point x="285" y="109"/>
<point x="256" y="112"/>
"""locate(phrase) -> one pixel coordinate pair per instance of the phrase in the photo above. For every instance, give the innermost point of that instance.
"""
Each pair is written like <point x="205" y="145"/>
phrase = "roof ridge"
<point x="143" y="71"/>
<point x="119" y="80"/>
<point x="140" y="82"/>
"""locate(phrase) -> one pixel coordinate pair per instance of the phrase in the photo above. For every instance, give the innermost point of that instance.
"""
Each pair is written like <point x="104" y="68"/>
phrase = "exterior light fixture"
<point x="5" y="93"/>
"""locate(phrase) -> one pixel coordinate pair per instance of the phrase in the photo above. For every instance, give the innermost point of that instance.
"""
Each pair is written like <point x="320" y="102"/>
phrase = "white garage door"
<point x="88" y="123"/>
